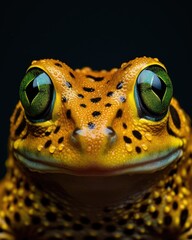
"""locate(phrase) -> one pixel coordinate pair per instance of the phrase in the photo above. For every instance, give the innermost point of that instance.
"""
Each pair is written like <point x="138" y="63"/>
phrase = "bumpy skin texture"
<point x="95" y="168"/>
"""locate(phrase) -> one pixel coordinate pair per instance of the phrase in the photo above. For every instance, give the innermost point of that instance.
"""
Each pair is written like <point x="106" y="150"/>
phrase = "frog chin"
<point x="149" y="164"/>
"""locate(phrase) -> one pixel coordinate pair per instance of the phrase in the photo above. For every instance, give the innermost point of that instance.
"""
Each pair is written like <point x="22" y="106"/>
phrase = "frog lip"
<point x="152" y="164"/>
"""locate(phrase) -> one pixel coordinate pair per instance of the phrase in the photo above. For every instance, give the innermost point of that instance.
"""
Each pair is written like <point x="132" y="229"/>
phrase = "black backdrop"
<point x="101" y="34"/>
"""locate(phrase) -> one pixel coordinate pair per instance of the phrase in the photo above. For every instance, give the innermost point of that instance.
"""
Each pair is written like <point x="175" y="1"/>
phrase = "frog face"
<point x="85" y="122"/>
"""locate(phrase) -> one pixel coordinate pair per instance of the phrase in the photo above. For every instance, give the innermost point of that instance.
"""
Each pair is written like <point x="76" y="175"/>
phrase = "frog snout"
<point x="93" y="140"/>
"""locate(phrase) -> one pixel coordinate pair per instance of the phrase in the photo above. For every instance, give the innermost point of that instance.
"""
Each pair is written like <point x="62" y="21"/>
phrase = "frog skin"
<point x="97" y="155"/>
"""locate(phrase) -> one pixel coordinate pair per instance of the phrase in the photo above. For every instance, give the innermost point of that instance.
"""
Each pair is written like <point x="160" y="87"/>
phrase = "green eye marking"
<point x="153" y="92"/>
<point x="37" y="95"/>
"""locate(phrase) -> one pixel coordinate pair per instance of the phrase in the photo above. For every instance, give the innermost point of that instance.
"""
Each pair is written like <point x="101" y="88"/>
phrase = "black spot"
<point x="35" y="220"/>
<point x="96" y="113"/>
<point x="167" y="220"/>
<point x="47" y="144"/>
<point x="173" y="172"/>
<point x="72" y="75"/>
<point x="58" y="64"/>
<point x="169" y="184"/>
<point x="45" y="201"/>
<point x="80" y="95"/>
<point x="28" y="202"/>
<point x="17" y="114"/>
<point x="183" y="217"/>
<point x="21" y="127"/>
<point x="107" y="219"/>
<point x="95" y="100"/>
<point x="109" y="94"/>
<point x="83" y="105"/>
<point x="91" y="125"/>
<point x="127" y="139"/>
<point x="122" y="99"/>
<point x="7" y="192"/>
<point x="138" y="149"/>
<point x="85" y="220"/>
<point x="176" y="190"/>
<point x="26" y="186"/>
<point x="158" y="200"/>
<point x="119" y="85"/>
<point x="47" y="133"/>
<point x="97" y="79"/>
<point x="77" y="227"/>
<point x="15" y="200"/>
<point x="119" y="113"/>
<point x="57" y="129"/>
<point x="108" y="105"/>
<point x="110" y="238"/>
<point x="128" y="206"/>
<point x="60" y="140"/>
<point x="110" y="228"/>
<point x="143" y="208"/>
<point x="175" y="117"/>
<point x="96" y="226"/>
<point x="68" y="84"/>
<point x="128" y="231"/>
<point x="122" y="221"/>
<point x="7" y="220"/>
<point x="18" y="182"/>
<point x="68" y="113"/>
<point x="175" y="205"/>
<point x="140" y="221"/>
<point x="146" y="195"/>
<point x="124" y="125"/>
<point x="87" y="89"/>
<point x="137" y="134"/>
<point x="51" y="216"/>
<point x="64" y="99"/>
<point x="17" y="217"/>
<point x="67" y="217"/>
<point x="155" y="214"/>
<point x="90" y="237"/>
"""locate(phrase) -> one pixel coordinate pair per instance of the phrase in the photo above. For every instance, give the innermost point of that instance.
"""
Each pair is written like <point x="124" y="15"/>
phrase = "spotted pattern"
<point x="92" y="116"/>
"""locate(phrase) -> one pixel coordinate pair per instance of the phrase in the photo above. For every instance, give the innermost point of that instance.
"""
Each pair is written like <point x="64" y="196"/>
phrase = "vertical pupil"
<point x="158" y="86"/>
<point x="31" y="91"/>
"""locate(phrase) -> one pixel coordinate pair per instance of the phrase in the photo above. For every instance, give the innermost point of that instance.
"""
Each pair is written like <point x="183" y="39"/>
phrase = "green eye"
<point x="37" y="95"/>
<point x="153" y="92"/>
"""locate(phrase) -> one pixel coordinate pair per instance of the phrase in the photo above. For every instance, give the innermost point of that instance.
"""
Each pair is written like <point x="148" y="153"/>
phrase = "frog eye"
<point x="153" y="92"/>
<point x="37" y="95"/>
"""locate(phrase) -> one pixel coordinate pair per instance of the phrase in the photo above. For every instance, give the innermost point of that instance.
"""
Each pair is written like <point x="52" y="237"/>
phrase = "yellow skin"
<point x="96" y="167"/>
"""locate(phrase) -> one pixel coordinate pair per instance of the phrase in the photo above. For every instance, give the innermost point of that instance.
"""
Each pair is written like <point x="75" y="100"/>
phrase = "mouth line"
<point x="149" y="165"/>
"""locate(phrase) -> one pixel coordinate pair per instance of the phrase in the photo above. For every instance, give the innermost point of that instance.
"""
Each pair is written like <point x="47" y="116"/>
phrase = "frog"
<point x="97" y="155"/>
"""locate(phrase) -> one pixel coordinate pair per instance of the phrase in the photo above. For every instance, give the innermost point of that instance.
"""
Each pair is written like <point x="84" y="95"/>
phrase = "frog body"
<point x="97" y="155"/>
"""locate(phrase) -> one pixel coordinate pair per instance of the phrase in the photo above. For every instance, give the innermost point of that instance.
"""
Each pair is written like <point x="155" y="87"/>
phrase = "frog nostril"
<point x="86" y="139"/>
<point x="111" y="134"/>
<point x="75" y="136"/>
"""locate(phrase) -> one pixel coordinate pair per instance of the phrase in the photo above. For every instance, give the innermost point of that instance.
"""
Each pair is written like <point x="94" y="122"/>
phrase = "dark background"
<point x="101" y="34"/>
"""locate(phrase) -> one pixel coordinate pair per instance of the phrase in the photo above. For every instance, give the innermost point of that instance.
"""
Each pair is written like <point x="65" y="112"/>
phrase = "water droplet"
<point x="129" y="148"/>
<point x="52" y="149"/>
<point x="148" y="136"/>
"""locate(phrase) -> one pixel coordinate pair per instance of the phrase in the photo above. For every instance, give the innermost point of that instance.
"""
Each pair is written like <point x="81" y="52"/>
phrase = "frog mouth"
<point x="150" y="164"/>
